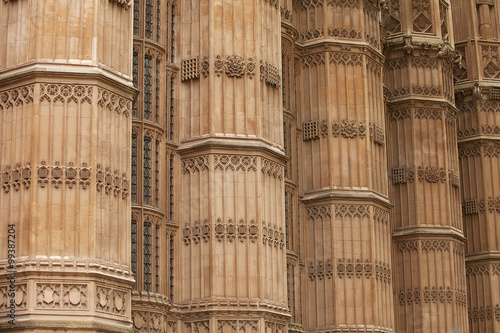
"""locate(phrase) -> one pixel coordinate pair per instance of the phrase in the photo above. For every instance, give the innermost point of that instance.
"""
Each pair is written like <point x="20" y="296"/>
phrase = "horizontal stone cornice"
<point x="65" y="72"/>
<point x="492" y="257"/>
<point x="70" y="325"/>
<point x="419" y="232"/>
<point x="344" y="195"/>
<point x="233" y="144"/>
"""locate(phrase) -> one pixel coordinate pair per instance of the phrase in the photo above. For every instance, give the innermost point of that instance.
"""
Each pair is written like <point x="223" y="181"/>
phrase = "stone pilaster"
<point x="428" y="249"/>
<point x="65" y="109"/>
<point x="477" y="91"/>
<point x="343" y="169"/>
<point x="232" y="251"/>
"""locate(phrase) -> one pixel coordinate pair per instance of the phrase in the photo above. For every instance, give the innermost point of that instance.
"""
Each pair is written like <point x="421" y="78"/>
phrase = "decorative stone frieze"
<point x="66" y="93"/>
<point x="20" y="299"/>
<point x="348" y="129"/>
<point x="18" y="96"/>
<point x="62" y="296"/>
<point x="318" y="213"/>
<point x="272" y="169"/>
<point x="14" y="177"/>
<point x="273" y="327"/>
<point x="431" y="174"/>
<point x="151" y="321"/>
<point x="111" y="300"/>
<point x="320" y="270"/>
<point x="350" y="4"/>
<point x="427" y="295"/>
<point x="238" y="325"/>
<point x="58" y="174"/>
<point x="197" y="326"/>
<point x="235" y="162"/>
<point x="345" y="58"/>
<point x="271" y="235"/>
<point x="383" y="271"/>
<point x="113" y="102"/>
<point x="111" y="183"/>
<point x="195" y="164"/>
<point x="352" y="211"/>
<point x="354" y="268"/>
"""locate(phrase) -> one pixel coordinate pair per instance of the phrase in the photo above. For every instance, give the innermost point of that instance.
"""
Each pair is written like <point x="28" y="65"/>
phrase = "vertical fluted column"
<point x="344" y="172"/>
<point x="477" y="92"/>
<point x="429" y="270"/>
<point x="65" y="106"/>
<point x="233" y="250"/>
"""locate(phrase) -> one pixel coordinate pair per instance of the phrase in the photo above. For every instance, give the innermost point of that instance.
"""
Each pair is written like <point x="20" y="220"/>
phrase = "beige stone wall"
<point x="65" y="130"/>
<point x="70" y="32"/>
<point x="343" y="179"/>
<point x="477" y="87"/>
<point x="428" y="248"/>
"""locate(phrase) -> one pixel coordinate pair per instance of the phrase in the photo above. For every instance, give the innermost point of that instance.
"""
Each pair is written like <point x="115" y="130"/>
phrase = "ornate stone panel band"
<point x="14" y="177"/>
<point x="17" y="96"/>
<point x="58" y="174"/>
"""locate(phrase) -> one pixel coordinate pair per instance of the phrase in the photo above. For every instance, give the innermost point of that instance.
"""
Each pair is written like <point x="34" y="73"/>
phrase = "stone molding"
<point x="73" y="266"/>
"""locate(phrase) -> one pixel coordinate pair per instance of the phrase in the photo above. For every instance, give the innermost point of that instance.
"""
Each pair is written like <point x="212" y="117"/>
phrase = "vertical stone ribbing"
<point x="65" y="162"/>
<point x="429" y="274"/>
<point x="477" y="86"/>
<point x="233" y="250"/>
<point x="344" y="177"/>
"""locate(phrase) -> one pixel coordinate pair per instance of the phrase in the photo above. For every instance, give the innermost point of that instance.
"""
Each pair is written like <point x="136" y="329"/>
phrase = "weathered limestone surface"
<point x="65" y="107"/>
<point x="286" y="166"/>
<point x="477" y="86"/>
<point x="343" y="179"/>
<point x="428" y="240"/>
<point x="233" y="250"/>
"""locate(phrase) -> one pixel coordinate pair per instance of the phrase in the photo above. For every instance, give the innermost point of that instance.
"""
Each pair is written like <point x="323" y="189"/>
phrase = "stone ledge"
<point x="353" y="194"/>
<point x="428" y="231"/>
<point x="64" y="326"/>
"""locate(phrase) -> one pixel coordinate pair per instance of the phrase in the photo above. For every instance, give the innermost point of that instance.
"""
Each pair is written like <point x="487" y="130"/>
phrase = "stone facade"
<point x="249" y="166"/>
